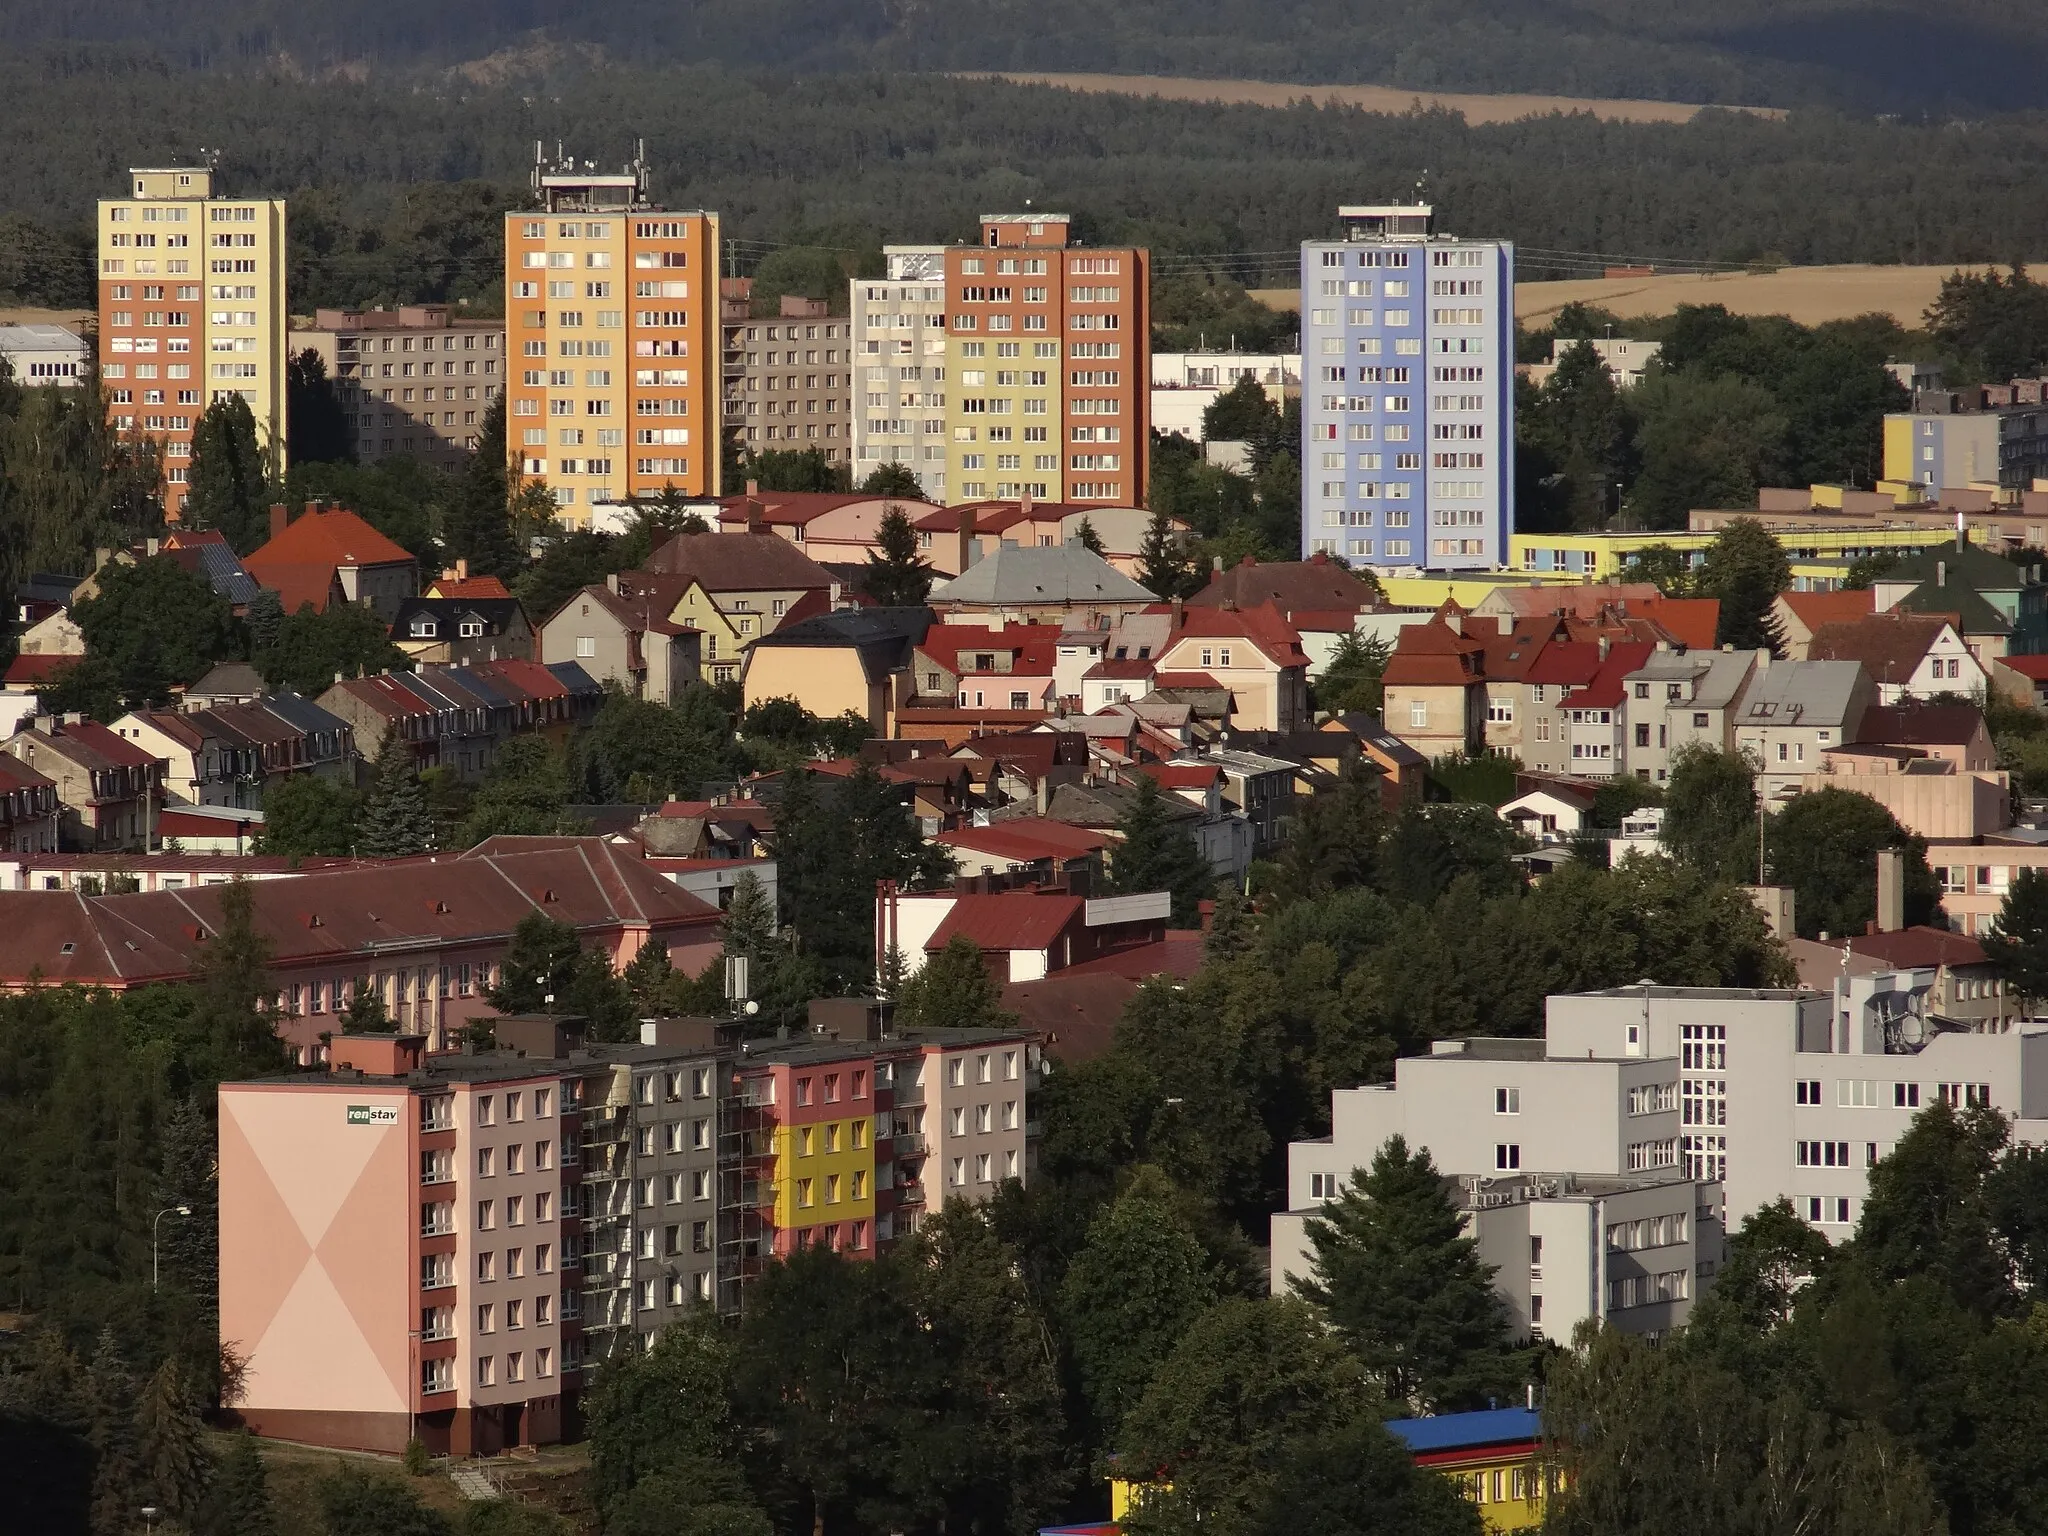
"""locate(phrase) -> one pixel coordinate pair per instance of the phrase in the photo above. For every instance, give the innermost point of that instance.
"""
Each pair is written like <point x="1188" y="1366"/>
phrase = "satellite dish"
<point x="1913" y="1029"/>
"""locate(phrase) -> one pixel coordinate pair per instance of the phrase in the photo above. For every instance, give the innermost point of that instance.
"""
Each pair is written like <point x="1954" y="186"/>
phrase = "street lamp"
<point x="181" y="1210"/>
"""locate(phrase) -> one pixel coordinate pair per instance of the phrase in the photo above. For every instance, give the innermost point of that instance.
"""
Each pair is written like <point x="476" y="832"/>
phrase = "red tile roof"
<point x="1033" y="646"/>
<point x="333" y="916"/>
<point x="1182" y="775"/>
<point x="739" y="562"/>
<point x="1007" y="920"/>
<point x="1027" y="839"/>
<point x="1814" y="609"/>
<point x="1178" y="954"/>
<point x="1074" y="1014"/>
<point x="1317" y="583"/>
<point x="787" y="508"/>
<point x="468" y="586"/>
<point x="1930" y="725"/>
<point x="1692" y="621"/>
<point x="2035" y="667"/>
<point x="26" y="671"/>
<point x="1433" y="655"/>
<point x="1606" y="689"/>
<point x="1184" y="680"/>
<point x="300" y="563"/>
<point x="1890" y="645"/>
<point x="1566" y="663"/>
<point x="1919" y="947"/>
<point x="1264" y="625"/>
<point x="1579" y="602"/>
<point x="1129" y="667"/>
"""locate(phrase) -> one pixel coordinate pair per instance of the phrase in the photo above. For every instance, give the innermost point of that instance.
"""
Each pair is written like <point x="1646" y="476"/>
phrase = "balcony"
<point x="910" y="1144"/>
<point x="910" y="1194"/>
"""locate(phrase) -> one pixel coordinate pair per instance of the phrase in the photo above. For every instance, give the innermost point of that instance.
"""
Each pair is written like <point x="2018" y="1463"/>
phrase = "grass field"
<point x="1374" y="98"/>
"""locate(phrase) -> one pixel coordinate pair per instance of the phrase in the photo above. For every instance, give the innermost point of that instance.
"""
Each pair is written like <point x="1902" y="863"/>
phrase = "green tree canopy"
<point x="151" y="627"/>
<point x="1745" y="567"/>
<point x="229" y="483"/>
<point x="1824" y="844"/>
<point x="1157" y="853"/>
<point x="307" y="816"/>
<point x="1710" y="812"/>
<point x="953" y="990"/>
<point x="319" y="430"/>
<point x="395" y="821"/>
<point x="313" y="649"/>
<point x="2018" y="944"/>
<point x="893" y="479"/>
<point x="897" y="576"/>
<point x="1406" y="1289"/>
<point x="546" y="970"/>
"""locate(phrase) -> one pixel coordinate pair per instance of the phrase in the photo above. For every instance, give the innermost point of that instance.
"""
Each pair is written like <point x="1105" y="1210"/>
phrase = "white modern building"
<point x="1186" y="384"/>
<point x="1705" y="1103"/>
<point x="1407" y="394"/>
<point x="899" y="354"/>
<point x="44" y="354"/>
<point x="1569" y="1170"/>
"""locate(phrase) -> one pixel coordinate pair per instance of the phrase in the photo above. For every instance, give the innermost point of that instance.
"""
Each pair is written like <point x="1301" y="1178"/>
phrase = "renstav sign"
<point x="372" y="1114"/>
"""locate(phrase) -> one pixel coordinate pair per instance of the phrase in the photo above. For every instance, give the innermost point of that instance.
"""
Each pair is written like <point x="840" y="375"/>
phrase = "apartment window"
<point x="984" y="1168"/>
<point x="958" y="1172"/>
<point x="1823" y="1154"/>
<point x="486" y="1370"/>
<point x="486" y="1162"/>
<point x="1905" y="1095"/>
<point x="1507" y="1156"/>
<point x="956" y="1072"/>
<point x="1322" y="1186"/>
<point x="1806" y="1091"/>
<point x="485" y="1215"/>
<point x="487" y="1266"/>
<point x="1507" y="1101"/>
<point x="1418" y="715"/>
<point x="959" y="1121"/>
<point x="700" y="1184"/>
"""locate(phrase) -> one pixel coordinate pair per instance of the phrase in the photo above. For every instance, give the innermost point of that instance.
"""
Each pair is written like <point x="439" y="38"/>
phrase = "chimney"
<point x="1024" y="506"/>
<point x="1941" y="573"/>
<point x="611" y="583"/>
<point x="1962" y="533"/>
<point x="753" y="487"/>
<point x="1507" y="624"/>
<point x="151" y="546"/>
<point x="753" y="510"/>
<point x="279" y="518"/>
<point x="965" y="533"/>
<point x="1603" y="647"/>
<point x="1180" y="615"/>
<point x="462" y="570"/>
<point x="1455" y="623"/>
<point x="1891" y="890"/>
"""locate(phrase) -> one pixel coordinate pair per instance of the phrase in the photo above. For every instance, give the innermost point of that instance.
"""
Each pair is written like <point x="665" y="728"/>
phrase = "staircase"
<point x="473" y="1481"/>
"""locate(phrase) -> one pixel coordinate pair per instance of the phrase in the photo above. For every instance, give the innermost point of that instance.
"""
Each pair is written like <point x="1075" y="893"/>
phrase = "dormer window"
<point x="424" y="629"/>
<point x="470" y="628"/>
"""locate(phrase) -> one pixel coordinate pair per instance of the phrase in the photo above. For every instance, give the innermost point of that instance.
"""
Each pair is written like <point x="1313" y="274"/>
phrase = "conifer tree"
<point x="478" y="527"/>
<point x="189" y="1246"/>
<point x="1163" y="565"/>
<point x="1089" y="539"/>
<point x="238" y="1502"/>
<point x="396" y="821"/>
<point x="118" y="1479"/>
<point x="953" y="991"/>
<point x="167" y="1426"/>
<point x="897" y="577"/>
<point x="2018" y="946"/>
<point x="1406" y="1289"/>
<point x="228" y="487"/>
<point x="1157" y="854"/>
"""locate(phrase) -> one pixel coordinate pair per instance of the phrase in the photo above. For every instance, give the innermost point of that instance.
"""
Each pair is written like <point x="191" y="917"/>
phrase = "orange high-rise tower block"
<point x="612" y="341"/>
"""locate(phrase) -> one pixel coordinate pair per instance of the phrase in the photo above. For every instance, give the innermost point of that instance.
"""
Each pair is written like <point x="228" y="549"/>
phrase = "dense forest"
<point x="1972" y="56"/>
<point x="397" y="183"/>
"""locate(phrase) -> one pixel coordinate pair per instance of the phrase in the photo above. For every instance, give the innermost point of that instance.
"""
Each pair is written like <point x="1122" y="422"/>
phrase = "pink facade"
<point x="319" y="1280"/>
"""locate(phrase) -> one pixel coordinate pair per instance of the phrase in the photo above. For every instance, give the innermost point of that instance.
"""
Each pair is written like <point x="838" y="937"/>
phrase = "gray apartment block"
<point x="899" y="374"/>
<point x="1570" y="1172"/>
<point x="1407" y="394"/>
<point x="650" y="1194"/>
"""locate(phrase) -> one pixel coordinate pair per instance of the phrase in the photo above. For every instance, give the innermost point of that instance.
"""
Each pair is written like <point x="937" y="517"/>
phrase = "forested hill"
<point x="1879" y="56"/>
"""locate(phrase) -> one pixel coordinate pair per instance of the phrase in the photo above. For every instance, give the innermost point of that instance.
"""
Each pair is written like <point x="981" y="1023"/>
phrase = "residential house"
<point x="231" y="754"/>
<point x="326" y="556"/>
<point x="2023" y="679"/>
<point x="457" y="717"/>
<point x="856" y="661"/>
<point x="1908" y="655"/>
<point x="631" y="641"/>
<point x="2001" y="609"/>
<point x="1064" y="584"/>
<point x="1403" y="770"/>
<point x="459" y="631"/>
<point x="229" y="682"/>
<point x="1799" y="616"/>
<point x="1252" y="653"/>
<point x="1794" y="712"/>
<point x="1003" y="666"/>
<point x="1101" y="802"/>
<point x="109" y="788"/>
<point x="1548" y="810"/>
<point x="1022" y="934"/>
<point x="1436" y="687"/>
<point x="206" y="553"/>
<point x="827" y="525"/>
<point x="457" y="582"/>
<point x="755" y="579"/>
<point x="1596" y="714"/>
<point x="1955" y="733"/>
<point x="30" y="810"/>
<point x="1678" y="699"/>
<point x="1258" y="788"/>
<point x="1032" y="846"/>
<point x="1513" y="647"/>
<point x="1547" y="681"/>
<point x="956" y="537"/>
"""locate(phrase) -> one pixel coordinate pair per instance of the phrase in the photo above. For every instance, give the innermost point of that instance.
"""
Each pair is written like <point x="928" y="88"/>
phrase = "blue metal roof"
<point x="1458" y="1431"/>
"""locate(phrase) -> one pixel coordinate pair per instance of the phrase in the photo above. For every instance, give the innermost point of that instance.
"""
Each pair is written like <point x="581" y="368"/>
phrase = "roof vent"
<point x="67" y="949"/>
<point x="312" y="919"/>
<point x="440" y="906"/>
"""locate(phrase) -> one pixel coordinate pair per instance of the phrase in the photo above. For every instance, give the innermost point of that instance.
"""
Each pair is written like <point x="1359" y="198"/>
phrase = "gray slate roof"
<point x="1803" y="693"/>
<point x="1057" y="573"/>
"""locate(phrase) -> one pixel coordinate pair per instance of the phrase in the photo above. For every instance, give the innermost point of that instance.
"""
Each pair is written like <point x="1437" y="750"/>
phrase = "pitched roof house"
<point x="326" y="556"/>
<point x="630" y="640"/>
<point x="1908" y="655"/>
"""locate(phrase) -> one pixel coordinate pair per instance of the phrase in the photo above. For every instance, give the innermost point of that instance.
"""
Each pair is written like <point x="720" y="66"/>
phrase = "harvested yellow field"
<point x="1373" y="98"/>
<point x="1809" y="295"/>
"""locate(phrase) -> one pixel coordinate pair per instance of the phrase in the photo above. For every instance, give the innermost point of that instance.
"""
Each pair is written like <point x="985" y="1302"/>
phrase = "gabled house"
<point x="1596" y="715"/>
<point x="1403" y="770"/>
<point x="628" y="640"/>
<point x="1000" y="666"/>
<point x="1252" y="653"/>
<point x="326" y="556"/>
<point x="1678" y="699"/>
<point x="755" y="576"/>
<point x="1908" y="655"/>
<point x="29" y="808"/>
<point x="459" y="631"/>
<point x="1799" y="616"/>
<point x="1436" y="687"/>
<point x="856" y="660"/>
<point x="1795" y="711"/>
<point x="1955" y="733"/>
<point x="1063" y="584"/>
<point x="108" y="788"/>
<point x="2000" y="609"/>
